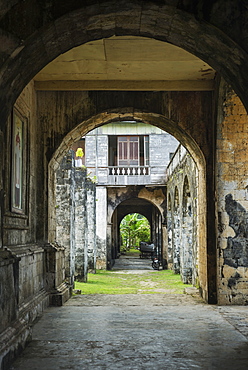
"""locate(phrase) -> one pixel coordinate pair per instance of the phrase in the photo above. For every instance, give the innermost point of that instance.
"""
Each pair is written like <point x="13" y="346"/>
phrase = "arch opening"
<point x="54" y="119"/>
<point x="80" y="32"/>
<point x="166" y="221"/>
<point x="134" y="228"/>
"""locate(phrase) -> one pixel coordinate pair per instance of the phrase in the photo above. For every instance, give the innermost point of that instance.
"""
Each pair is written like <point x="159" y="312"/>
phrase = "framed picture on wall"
<point x="18" y="162"/>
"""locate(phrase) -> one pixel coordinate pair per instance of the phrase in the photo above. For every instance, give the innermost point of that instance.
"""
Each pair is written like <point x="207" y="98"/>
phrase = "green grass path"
<point x="130" y="282"/>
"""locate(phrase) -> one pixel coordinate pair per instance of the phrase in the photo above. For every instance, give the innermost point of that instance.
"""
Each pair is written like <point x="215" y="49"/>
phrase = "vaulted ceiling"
<point x="121" y="63"/>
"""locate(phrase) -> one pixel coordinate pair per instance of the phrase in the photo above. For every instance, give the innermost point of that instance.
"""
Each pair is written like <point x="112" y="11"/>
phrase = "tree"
<point x="133" y="229"/>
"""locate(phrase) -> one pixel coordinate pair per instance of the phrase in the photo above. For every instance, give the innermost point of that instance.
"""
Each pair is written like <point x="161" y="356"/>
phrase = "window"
<point x="128" y="150"/>
<point x="19" y="170"/>
<point x="131" y="150"/>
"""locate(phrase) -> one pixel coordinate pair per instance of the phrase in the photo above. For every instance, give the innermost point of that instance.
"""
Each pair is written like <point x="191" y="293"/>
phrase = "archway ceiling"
<point x="126" y="63"/>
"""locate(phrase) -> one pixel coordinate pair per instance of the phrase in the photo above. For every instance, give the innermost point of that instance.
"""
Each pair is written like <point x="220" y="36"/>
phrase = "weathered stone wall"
<point x="80" y="226"/>
<point x="23" y="293"/>
<point x="64" y="213"/>
<point x="101" y="227"/>
<point x="183" y="239"/>
<point x="232" y="198"/>
<point x="76" y="219"/>
<point x="90" y="230"/>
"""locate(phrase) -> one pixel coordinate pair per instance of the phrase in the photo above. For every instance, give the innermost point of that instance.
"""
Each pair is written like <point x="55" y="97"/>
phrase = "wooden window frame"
<point x="18" y="163"/>
<point x="128" y="141"/>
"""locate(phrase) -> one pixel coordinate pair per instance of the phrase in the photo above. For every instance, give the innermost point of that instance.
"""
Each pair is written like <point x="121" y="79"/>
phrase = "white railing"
<point x="129" y="171"/>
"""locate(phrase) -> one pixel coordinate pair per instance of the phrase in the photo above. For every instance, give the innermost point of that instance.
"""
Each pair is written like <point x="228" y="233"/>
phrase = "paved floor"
<point x="153" y="331"/>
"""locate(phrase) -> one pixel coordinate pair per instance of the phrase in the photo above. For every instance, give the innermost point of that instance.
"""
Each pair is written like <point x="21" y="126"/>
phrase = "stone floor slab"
<point x="106" y="333"/>
<point x="136" y="332"/>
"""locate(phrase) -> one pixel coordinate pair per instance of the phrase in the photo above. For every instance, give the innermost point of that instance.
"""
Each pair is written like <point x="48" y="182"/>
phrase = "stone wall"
<point x="75" y="216"/>
<point x="64" y="213"/>
<point x="101" y="227"/>
<point x="182" y="190"/>
<point x="232" y="198"/>
<point x="23" y="293"/>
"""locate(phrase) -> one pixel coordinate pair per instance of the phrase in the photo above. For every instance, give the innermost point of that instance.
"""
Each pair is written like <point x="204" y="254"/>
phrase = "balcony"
<point x="129" y="171"/>
<point x="128" y="175"/>
<point x="132" y="175"/>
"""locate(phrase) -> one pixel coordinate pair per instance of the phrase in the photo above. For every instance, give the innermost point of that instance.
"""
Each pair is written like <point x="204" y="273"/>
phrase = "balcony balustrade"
<point x="129" y="171"/>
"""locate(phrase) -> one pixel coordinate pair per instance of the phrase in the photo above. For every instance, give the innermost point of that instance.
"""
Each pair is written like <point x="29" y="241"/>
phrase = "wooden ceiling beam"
<point x="125" y="85"/>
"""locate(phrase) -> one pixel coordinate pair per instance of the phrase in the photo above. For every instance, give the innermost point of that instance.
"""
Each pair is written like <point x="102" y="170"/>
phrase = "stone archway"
<point x="148" y="209"/>
<point x="42" y="43"/>
<point x="172" y="128"/>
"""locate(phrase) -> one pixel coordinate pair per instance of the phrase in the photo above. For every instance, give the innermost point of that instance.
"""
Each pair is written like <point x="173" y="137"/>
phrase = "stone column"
<point x="176" y="233"/>
<point x="64" y="213"/>
<point x="101" y="227"/>
<point x="80" y="226"/>
<point x="232" y="198"/>
<point x="109" y="246"/>
<point x="90" y="230"/>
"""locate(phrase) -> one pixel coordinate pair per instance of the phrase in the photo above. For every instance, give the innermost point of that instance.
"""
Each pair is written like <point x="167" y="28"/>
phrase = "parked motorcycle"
<point x="155" y="260"/>
<point x="155" y="263"/>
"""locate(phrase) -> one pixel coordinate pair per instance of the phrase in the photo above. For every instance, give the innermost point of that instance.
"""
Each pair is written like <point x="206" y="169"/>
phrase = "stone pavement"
<point x="132" y="263"/>
<point x="144" y="331"/>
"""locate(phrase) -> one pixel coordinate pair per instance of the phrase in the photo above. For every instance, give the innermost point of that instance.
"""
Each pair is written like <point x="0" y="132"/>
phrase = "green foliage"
<point x="121" y="282"/>
<point x="133" y="229"/>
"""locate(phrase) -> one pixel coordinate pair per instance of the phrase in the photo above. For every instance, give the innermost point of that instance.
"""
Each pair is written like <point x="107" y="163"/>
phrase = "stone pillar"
<point x="186" y="249"/>
<point x="109" y="246"/>
<point x="176" y="233"/>
<point x="170" y="234"/>
<point x="64" y="213"/>
<point x="90" y="231"/>
<point x="84" y="225"/>
<point x="115" y="247"/>
<point x="186" y="235"/>
<point x="76" y="219"/>
<point x="80" y="226"/>
<point x="101" y="227"/>
<point x="232" y="198"/>
<point x="164" y="247"/>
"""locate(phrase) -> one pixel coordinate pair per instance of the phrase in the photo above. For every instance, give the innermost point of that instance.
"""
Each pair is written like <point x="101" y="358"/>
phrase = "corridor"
<point x="138" y="331"/>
